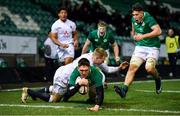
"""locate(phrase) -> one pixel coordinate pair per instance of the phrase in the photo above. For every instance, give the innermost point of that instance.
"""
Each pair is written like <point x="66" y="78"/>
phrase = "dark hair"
<point x="137" y="7"/>
<point x="83" y="61"/>
<point x="62" y="8"/>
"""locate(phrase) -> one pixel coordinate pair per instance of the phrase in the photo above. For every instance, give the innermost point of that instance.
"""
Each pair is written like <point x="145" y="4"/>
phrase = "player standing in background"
<point x="64" y="34"/>
<point x="51" y="58"/>
<point x="101" y="38"/>
<point x="145" y="32"/>
<point x="94" y="81"/>
<point x="172" y="44"/>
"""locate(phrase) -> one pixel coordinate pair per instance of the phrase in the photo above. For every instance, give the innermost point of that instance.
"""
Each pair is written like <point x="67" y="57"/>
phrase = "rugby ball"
<point x="83" y="89"/>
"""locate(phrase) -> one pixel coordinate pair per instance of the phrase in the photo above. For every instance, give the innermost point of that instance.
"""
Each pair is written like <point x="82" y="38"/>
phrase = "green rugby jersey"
<point x="100" y="42"/>
<point x="94" y="77"/>
<point x="145" y="27"/>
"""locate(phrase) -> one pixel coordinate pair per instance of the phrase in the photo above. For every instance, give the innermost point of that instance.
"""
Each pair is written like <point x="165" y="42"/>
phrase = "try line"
<point x="68" y="107"/>
<point x="112" y="83"/>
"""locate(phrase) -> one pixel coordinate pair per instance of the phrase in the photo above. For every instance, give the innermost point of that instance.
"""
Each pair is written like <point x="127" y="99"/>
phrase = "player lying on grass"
<point x="63" y="73"/>
<point x="85" y="72"/>
<point x="92" y="75"/>
<point x="96" y="58"/>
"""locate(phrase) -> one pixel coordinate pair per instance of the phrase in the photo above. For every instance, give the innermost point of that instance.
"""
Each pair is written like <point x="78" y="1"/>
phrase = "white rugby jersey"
<point x="70" y="67"/>
<point x="53" y="48"/>
<point x="64" y="30"/>
<point x="104" y="67"/>
<point x="63" y="73"/>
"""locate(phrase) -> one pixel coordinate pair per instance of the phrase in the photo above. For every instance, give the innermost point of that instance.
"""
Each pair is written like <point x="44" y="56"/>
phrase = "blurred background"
<point x="24" y="26"/>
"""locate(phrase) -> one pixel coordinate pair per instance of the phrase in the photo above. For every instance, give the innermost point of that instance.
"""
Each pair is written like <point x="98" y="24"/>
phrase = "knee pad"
<point x="136" y="61"/>
<point x="150" y="63"/>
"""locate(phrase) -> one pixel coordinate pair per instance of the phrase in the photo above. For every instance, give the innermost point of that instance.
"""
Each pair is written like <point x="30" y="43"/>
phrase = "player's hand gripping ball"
<point x="84" y="88"/>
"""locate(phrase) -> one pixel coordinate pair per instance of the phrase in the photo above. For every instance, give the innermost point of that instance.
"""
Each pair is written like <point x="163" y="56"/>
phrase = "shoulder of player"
<point x="176" y="36"/>
<point x="75" y="71"/>
<point x="70" y="22"/>
<point x="92" y="34"/>
<point x="94" y="31"/>
<point x="87" y="56"/>
<point x="108" y="34"/>
<point x="147" y="13"/>
<point x="67" y="21"/>
<point x="94" y="68"/>
<point x="56" y="23"/>
<point x="148" y="17"/>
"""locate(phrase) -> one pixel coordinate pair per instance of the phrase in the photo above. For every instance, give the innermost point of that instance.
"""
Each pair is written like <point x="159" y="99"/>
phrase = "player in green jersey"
<point x="92" y="77"/>
<point x="55" y="92"/>
<point x="145" y="32"/>
<point x="101" y="38"/>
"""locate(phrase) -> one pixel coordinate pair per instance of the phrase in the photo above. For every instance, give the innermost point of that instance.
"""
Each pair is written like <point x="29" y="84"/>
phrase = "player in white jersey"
<point x="63" y="73"/>
<point x="64" y="34"/>
<point x="50" y="48"/>
<point x="51" y="58"/>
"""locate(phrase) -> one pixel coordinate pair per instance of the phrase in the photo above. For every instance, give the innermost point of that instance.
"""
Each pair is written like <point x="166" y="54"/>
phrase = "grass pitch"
<point x="140" y="100"/>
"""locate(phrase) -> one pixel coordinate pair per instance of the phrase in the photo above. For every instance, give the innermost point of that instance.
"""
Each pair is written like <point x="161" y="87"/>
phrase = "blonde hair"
<point x="101" y="24"/>
<point x="100" y="52"/>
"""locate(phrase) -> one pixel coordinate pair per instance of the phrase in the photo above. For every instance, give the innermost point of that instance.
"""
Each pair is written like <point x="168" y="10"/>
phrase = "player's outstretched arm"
<point x="94" y="109"/>
<point x="100" y="98"/>
<point x="85" y="47"/>
<point x="123" y="65"/>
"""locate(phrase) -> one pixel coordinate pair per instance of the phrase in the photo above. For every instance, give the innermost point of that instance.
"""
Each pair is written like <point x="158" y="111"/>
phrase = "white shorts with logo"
<point x="146" y="52"/>
<point x="65" y="52"/>
<point x="61" y="78"/>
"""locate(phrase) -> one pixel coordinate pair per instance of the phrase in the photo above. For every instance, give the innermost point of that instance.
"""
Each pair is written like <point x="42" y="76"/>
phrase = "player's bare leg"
<point x="135" y="63"/>
<point x="151" y="69"/>
<point x="128" y="80"/>
<point x="24" y="95"/>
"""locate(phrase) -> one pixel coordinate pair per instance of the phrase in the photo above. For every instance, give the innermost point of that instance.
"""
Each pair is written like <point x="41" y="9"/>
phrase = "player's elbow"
<point x="108" y="71"/>
<point x="159" y="32"/>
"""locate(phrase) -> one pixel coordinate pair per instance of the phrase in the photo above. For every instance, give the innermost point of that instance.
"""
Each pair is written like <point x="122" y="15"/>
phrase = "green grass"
<point x="137" y="102"/>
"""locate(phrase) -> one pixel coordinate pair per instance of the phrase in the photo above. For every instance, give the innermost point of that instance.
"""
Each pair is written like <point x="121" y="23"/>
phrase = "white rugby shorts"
<point x="65" y="52"/>
<point x="144" y="52"/>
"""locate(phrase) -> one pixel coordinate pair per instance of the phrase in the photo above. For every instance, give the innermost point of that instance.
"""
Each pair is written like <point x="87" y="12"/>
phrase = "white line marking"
<point x="112" y="83"/>
<point x="138" y="110"/>
<point x="7" y="90"/>
<point x="146" y="81"/>
<point x="68" y="107"/>
<point x="164" y="91"/>
<point x="34" y="106"/>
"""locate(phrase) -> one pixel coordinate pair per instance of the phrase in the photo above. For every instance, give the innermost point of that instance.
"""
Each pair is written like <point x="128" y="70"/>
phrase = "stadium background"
<point x="24" y="25"/>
